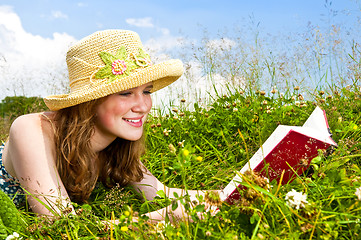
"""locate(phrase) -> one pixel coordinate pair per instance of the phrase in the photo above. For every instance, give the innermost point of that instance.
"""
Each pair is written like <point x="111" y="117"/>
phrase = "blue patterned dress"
<point x="9" y="184"/>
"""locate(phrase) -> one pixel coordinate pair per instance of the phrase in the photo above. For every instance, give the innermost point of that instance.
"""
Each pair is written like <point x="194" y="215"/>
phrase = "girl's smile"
<point x="135" y="122"/>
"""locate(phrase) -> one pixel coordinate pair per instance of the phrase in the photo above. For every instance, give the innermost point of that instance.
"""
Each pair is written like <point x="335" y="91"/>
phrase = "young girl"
<point x="94" y="133"/>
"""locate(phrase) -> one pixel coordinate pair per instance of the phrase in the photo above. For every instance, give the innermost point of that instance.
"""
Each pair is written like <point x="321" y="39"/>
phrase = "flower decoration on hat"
<point x="143" y="59"/>
<point x="122" y="64"/>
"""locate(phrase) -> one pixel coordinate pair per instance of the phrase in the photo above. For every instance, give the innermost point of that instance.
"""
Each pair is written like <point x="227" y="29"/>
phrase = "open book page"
<point x="318" y="121"/>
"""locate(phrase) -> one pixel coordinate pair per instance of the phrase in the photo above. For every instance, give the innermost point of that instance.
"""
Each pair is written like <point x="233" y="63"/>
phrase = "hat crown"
<point x="107" y="62"/>
<point x="83" y="59"/>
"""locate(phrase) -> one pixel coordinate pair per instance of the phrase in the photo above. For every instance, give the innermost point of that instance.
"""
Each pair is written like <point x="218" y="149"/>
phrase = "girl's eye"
<point x="147" y="92"/>
<point x="124" y="94"/>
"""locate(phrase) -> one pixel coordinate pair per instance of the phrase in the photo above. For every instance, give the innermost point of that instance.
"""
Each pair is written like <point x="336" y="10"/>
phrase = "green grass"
<point x="213" y="133"/>
<point x="224" y="130"/>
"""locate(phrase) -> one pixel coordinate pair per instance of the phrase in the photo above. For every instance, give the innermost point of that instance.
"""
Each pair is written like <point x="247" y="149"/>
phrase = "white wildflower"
<point x="358" y="193"/>
<point x="181" y="144"/>
<point x="166" y="132"/>
<point x="13" y="236"/>
<point x="235" y="109"/>
<point x="296" y="199"/>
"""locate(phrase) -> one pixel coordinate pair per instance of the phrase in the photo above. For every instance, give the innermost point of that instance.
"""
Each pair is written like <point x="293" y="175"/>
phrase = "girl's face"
<point x="123" y="114"/>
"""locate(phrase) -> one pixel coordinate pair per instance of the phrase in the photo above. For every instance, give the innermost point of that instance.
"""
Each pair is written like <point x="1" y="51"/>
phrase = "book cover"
<point x="289" y="149"/>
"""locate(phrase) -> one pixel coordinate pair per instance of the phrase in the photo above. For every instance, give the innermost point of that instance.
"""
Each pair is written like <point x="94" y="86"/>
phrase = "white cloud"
<point x="202" y="84"/>
<point x="30" y="64"/>
<point x="194" y="86"/>
<point x="164" y="31"/>
<point x="82" y="4"/>
<point x="162" y="43"/>
<point x="146" y="22"/>
<point x="58" y="14"/>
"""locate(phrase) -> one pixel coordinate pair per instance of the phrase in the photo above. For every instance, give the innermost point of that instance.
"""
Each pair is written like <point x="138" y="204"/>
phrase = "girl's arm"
<point x="29" y="156"/>
<point x="149" y="187"/>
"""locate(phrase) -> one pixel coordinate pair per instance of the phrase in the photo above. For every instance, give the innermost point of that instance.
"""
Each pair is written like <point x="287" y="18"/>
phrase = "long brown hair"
<point x="79" y="166"/>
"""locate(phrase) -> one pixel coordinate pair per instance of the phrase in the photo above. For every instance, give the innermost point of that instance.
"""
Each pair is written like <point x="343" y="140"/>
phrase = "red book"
<point x="289" y="149"/>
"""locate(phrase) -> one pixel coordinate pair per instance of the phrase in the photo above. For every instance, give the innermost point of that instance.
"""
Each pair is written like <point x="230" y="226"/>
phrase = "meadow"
<point x="200" y="139"/>
<point x="201" y="149"/>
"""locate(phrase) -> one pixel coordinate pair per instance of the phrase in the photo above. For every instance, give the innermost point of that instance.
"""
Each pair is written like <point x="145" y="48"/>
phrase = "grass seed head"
<point x="171" y="148"/>
<point x="251" y="194"/>
<point x="260" y="236"/>
<point x="306" y="227"/>
<point x="212" y="198"/>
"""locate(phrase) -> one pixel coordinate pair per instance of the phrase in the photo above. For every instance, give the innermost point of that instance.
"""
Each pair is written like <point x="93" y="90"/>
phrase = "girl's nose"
<point x="142" y="103"/>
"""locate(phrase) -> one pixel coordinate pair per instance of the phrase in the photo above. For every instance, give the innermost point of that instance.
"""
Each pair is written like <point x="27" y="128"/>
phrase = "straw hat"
<point x="110" y="61"/>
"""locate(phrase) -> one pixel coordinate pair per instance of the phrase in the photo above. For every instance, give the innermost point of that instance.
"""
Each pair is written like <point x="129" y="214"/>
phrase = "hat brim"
<point x="161" y="74"/>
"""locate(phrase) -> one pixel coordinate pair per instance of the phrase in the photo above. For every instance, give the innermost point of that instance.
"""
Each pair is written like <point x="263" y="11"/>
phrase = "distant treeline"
<point x="12" y="107"/>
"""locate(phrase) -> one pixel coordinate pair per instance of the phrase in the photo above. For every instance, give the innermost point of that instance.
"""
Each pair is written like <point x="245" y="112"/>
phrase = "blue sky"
<point x="80" y="18"/>
<point x="35" y="34"/>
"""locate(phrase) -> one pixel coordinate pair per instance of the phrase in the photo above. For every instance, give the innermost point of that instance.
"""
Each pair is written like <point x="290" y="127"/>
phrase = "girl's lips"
<point x="135" y="122"/>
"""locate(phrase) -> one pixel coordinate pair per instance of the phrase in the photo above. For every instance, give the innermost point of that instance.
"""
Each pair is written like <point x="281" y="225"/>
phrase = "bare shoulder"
<point x="32" y="130"/>
<point x="30" y="140"/>
<point x="32" y="124"/>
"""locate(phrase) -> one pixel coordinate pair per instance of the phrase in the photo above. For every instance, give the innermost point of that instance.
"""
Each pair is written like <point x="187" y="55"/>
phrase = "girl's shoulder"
<point x="30" y="142"/>
<point x="34" y="125"/>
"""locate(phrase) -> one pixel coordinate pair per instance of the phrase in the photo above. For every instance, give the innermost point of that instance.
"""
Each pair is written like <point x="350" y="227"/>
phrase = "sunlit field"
<point x="206" y="126"/>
